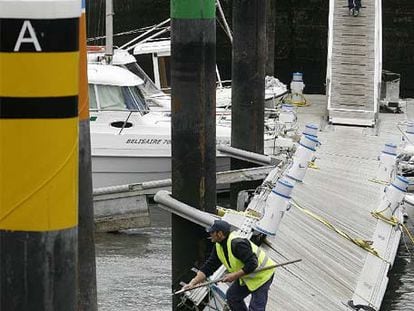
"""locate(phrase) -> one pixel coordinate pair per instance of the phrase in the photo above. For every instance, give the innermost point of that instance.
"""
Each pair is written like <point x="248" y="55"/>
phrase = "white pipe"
<point x="247" y="155"/>
<point x="167" y="202"/>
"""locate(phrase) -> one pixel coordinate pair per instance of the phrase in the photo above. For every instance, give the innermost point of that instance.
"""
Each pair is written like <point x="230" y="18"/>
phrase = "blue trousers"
<point x="236" y="293"/>
<point x="354" y="4"/>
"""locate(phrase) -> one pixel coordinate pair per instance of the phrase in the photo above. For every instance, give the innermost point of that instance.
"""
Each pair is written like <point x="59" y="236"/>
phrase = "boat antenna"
<point x="109" y="44"/>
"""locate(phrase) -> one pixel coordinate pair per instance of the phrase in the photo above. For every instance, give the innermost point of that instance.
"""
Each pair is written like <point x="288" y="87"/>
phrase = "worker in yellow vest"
<point x="241" y="258"/>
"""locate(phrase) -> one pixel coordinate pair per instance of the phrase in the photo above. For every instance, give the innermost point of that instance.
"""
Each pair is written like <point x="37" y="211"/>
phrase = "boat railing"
<point x="148" y="35"/>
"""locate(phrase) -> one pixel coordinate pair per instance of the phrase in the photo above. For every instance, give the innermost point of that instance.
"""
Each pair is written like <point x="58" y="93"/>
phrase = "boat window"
<point x="148" y="88"/>
<point x="134" y="100"/>
<point x="111" y="97"/>
<point x="92" y="97"/>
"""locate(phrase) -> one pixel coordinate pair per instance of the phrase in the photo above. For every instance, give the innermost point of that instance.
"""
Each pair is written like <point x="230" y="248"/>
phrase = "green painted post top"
<point x="193" y="9"/>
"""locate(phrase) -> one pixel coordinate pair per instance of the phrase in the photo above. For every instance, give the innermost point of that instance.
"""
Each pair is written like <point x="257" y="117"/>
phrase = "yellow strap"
<point x="313" y="165"/>
<point x="393" y="221"/>
<point x="364" y="244"/>
<point x="302" y="103"/>
<point x="248" y="213"/>
<point x="381" y="182"/>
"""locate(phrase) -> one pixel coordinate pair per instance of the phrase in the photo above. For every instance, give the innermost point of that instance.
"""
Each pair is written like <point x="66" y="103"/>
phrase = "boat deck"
<point x="334" y="270"/>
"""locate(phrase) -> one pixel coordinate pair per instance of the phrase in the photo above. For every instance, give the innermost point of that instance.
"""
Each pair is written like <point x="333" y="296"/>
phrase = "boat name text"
<point x="156" y="141"/>
<point x="149" y="141"/>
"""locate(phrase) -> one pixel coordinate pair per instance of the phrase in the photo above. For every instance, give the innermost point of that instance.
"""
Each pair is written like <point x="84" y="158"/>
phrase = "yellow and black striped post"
<point x="87" y="299"/>
<point x="39" y="85"/>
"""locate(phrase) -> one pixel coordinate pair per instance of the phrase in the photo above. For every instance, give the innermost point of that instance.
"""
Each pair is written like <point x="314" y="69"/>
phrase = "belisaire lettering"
<point x="132" y="141"/>
<point x="146" y="141"/>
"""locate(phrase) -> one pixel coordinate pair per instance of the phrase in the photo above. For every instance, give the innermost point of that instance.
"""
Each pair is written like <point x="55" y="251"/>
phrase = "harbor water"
<point x="134" y="269"/>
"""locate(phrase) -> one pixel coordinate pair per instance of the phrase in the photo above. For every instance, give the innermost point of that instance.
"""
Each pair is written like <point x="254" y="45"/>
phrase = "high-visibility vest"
<point x="252" y="280"/>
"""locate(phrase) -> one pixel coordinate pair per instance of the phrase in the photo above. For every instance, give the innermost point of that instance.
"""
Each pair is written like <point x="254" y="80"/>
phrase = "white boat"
<point x="130" y="139"/>
<point x="130" y="117"/>
<point x="129" y="142"/>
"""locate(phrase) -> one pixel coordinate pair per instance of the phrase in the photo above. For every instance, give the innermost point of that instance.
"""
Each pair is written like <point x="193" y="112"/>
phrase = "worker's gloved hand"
<point x="192" y="283"/>
<point x="230" y="277"/>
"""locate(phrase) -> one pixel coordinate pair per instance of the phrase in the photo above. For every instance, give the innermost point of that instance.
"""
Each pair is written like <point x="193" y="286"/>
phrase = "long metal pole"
<point x="39" y="154"/>
<point x="221" y="279"/>
<point x="193" y="129"/>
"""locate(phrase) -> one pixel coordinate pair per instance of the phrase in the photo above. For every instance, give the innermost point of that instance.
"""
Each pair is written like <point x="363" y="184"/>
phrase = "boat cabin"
<point x="114" y="88"/>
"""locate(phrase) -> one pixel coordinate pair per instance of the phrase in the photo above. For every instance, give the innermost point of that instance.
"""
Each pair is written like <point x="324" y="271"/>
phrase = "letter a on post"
<point x="31" y="39"/>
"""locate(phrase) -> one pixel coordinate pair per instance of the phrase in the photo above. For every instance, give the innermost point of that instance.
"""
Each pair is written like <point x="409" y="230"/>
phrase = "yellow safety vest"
<point x="253" y="280"/>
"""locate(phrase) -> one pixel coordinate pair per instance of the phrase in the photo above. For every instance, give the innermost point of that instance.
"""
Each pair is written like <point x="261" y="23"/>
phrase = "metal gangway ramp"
<point x="353" y="75"/>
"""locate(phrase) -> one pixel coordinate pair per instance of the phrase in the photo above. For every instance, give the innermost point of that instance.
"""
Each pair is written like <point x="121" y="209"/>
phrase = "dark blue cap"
<point x="219" y="225"/>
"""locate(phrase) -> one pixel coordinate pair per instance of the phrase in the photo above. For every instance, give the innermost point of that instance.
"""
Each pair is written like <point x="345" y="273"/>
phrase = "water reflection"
<point x="134" y="267"/>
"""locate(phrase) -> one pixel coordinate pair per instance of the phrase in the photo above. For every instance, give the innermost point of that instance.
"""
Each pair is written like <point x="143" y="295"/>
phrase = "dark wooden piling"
<point x="39" y="56"/>
<point x="270" y="37"/>
<point x="193" y="125"/>
<point x="87" y="296"/>
<point x="248" y="67"/>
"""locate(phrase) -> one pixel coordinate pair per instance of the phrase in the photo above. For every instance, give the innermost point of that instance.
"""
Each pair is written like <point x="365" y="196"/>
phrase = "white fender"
<point x="311" y="130"/>
<point x="287" y="114"/>
<point x="303" y="155"/>
<point x="409" y="134"/>
<point x="393" y="195"/>
<point x="387" y="165"/>
<point x="297" y="86"/>
<point x="277" y="203"/>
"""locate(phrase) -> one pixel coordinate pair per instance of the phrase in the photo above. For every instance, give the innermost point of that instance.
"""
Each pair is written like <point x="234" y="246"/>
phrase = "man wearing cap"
<point x="241" y="257"/>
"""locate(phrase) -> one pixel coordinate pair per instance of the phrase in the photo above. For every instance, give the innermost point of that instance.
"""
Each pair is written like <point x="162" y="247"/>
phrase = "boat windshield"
<point x="112" y="97"/>
<point x="148" y="88"/>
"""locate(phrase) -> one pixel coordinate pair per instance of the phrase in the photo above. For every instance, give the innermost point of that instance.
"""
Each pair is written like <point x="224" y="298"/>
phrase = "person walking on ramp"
<point x="241" y="257"/>
<point x="354" y="6"/>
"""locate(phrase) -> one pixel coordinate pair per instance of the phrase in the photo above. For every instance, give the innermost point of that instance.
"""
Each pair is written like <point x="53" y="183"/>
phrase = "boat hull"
<point x="120" y="170"/>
